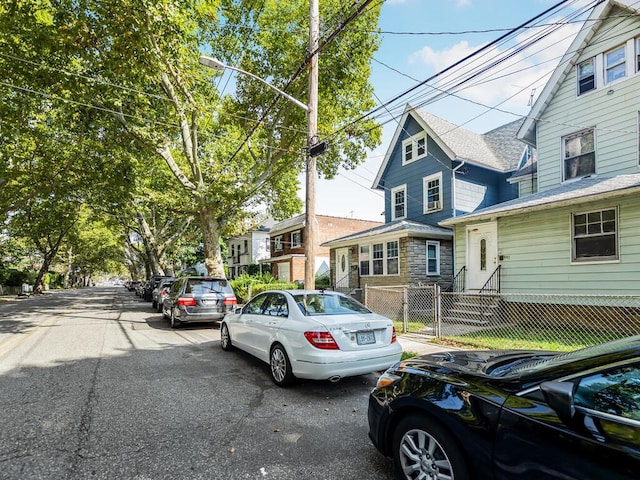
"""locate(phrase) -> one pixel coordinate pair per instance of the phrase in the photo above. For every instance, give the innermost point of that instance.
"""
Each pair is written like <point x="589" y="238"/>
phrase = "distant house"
<point x="432" y="170"/>
<point x="580" y="231"/>
<point x="247" y="250"/>
<point x="287" y="249"/>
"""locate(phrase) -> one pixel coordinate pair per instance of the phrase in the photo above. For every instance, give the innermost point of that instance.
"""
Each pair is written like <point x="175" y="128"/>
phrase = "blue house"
<point x="433" y="170"/>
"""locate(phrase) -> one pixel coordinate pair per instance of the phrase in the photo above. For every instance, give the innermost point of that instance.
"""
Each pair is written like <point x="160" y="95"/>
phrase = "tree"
<point x="137" y="62"/>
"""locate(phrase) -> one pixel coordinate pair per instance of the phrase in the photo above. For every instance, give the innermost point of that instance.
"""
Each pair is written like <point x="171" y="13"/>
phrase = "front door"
<point x="482" y="253"/>
<point x="342" y="268"/>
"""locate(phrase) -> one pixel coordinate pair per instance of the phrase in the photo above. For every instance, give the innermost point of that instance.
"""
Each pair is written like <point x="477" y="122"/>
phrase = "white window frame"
<point x="412" y="146"/>
<point x="296" y="239"/>
<point x="436" y="205"/>
<point x="615" y="64"/>
<point x="592" y="60"/>
<point x="436" y="244"/>
<point x="394" y="191"/>
<point x="376" y="258"/>
<point x="277" y="244"/>
<point x="638" y="137"/>
<point x="572" y="136"/>
<point x="595" y="222"/>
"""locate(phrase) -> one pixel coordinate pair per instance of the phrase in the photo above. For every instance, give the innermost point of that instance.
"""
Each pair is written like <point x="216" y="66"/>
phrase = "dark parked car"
<point x="198" y="299"/>
<point x="160" y="291"/>
<point x="529" y="415"/>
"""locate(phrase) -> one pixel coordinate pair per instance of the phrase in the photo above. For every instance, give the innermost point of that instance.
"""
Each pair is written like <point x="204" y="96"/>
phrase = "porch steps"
<point x="476" y="310"/>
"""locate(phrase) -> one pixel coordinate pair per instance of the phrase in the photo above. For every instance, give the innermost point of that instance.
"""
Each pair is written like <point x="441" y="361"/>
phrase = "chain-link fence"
<point x="557" y="322"/>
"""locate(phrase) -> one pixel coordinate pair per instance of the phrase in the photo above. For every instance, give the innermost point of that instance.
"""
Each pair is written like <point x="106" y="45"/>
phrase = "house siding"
<point x="536" y="253"/>
<point x="412" y="176"/>
<point x="614" y="115"/>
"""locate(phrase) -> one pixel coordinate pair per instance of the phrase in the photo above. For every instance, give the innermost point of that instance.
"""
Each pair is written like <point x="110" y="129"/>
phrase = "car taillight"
<point x="393" y="335"/>
<point x="187" y="302"/>
<point x="230" y="300"/>
<point x="323" y="340"/>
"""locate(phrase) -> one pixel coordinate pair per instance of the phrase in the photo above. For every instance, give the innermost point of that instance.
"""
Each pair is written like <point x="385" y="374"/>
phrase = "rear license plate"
<point x="209" y="302"/>
<point x="365" y="338"/>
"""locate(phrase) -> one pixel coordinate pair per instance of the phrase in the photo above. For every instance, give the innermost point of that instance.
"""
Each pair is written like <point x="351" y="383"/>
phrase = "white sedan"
<point x="319" y="335"/>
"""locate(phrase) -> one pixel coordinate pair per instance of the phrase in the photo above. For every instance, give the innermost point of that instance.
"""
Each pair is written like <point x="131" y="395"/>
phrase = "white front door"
<point x="343" y="266"/>
<point x="482" y="253"/>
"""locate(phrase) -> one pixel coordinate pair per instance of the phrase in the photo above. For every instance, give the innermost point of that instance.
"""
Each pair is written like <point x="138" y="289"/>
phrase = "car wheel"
<point x="154" y="305"/>
<point x="280" y="366"/>
<point x="225" y="338"/>
<point x="175" y="323"/>
<point x="422" y="449"/>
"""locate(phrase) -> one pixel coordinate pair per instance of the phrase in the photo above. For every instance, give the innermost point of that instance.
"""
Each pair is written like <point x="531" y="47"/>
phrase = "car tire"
<point x="175" y="323"/>
<point x="280" y="366"/>
<point x="154" y="305"/>
<point x="225" y="338"/>
<point x="423" y="449"/>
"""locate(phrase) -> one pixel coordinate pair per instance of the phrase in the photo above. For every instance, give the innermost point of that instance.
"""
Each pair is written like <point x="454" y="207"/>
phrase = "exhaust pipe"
<point x="334" y="379"/>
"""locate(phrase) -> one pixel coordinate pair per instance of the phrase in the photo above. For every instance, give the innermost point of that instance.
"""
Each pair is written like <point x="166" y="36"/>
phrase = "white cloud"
<point x="463" y="3"/>
<point x="520" y="72"/>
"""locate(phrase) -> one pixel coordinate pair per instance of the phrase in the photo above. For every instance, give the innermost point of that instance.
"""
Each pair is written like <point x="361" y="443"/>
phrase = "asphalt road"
<point x="95" y="385"/>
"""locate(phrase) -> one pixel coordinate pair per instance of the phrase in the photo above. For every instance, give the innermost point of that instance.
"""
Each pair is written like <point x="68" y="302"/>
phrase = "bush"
<point x="12" y="277"/>
<point x="246" y="286"/>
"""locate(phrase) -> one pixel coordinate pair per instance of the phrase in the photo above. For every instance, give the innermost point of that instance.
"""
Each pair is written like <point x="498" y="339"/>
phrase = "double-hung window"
<point x="296" y="239"/>
<point x="433" y="258"/>
<point x="414" y="148"/>
<point x="277" y="243"/>
<point x="595" y="235"/>
<point x="380" y="258"/>
<point x="399" y="202"/>
<point x="586" y="76"/>
<point x="579" y="156"/>
<point x="615" y="64"/>
<point x="432" y="187"/>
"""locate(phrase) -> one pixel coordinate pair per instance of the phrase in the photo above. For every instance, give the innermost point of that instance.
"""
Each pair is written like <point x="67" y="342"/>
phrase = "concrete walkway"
<point x="421" y="344"/>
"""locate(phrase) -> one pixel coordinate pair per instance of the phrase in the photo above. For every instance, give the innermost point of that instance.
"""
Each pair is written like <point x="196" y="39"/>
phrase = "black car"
<point x="512" y="414"/>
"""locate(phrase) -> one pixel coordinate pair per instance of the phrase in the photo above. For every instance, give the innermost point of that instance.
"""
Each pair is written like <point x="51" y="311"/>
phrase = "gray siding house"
<point x="577" y="230"/>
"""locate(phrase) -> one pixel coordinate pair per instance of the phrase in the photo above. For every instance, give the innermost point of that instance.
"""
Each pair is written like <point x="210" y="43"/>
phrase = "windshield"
<point x="206" y="286"/>
<point x="328" y="304"/>
<point x="536" y="364"/>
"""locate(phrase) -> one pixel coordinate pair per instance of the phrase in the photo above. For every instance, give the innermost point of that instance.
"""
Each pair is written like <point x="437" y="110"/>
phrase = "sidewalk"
<point x="420" y="344"/>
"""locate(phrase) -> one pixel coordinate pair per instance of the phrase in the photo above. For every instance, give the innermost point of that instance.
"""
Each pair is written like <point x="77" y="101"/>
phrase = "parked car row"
<point x="459" y="415"/>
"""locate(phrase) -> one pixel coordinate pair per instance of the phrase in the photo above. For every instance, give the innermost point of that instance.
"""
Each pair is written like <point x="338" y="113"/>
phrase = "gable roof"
<point x="527" y="132"/>
<point x="493" y="150"/>
<point x="399" y="228"/>
<point x="570" y="193"/>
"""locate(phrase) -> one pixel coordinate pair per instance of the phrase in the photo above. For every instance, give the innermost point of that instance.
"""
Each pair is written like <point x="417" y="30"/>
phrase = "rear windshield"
<point x="204" y="285"/>
<point x="328" y="304"/>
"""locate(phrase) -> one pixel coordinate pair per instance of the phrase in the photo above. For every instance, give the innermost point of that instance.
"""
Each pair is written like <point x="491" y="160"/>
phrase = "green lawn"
<point x="526" y="338"/>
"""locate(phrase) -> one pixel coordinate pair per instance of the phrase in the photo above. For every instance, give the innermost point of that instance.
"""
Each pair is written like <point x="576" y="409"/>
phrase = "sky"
<point x="421" y="38"/>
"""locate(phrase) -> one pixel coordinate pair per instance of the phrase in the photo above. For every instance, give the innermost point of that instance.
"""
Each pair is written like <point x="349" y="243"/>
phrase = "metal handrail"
<point x="493" y="283"/>
<point x="458" y="282"/>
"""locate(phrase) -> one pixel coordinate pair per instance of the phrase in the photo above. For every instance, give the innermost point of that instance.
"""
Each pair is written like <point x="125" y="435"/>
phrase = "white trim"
<point x="385" y="258"/>
<point x="413" y="142"/>
<point x="437" y="245"/>
<point x="299" y="243"/>
<point x="392" y="201"/>
<point x="438" y="203"/>
<point x="572" y="135"/>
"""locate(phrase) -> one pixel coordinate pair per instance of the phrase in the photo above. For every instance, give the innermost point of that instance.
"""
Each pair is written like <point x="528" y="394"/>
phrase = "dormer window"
<point x="414" y="148"/>
<point x="615" y="64"/>
<point x="586" y="76"/>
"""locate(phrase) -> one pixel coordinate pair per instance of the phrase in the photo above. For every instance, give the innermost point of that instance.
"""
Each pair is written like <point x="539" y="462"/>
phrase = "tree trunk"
<point x="211" y="243"/>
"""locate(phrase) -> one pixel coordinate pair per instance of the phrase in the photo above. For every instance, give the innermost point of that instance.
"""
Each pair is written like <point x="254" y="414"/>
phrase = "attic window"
<point x="615" y="64"/>
<point x="586" y="76"/>
<point x="414" y="148"/>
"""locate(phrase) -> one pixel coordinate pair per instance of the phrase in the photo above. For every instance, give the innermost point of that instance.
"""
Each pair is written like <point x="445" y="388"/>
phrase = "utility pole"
<point x="311" y="225"/>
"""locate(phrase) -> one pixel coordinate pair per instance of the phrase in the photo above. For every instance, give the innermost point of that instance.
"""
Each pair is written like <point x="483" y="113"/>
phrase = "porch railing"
<point x="492" y="285"/>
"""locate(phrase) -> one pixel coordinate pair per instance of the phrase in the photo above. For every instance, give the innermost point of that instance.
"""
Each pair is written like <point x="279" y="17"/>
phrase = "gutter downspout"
<point x="453" y="187"/>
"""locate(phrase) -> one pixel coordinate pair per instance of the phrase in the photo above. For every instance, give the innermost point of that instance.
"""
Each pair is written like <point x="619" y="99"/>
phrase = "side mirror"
<point x="237" y="310"/>
<point x="559" y="396"/>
